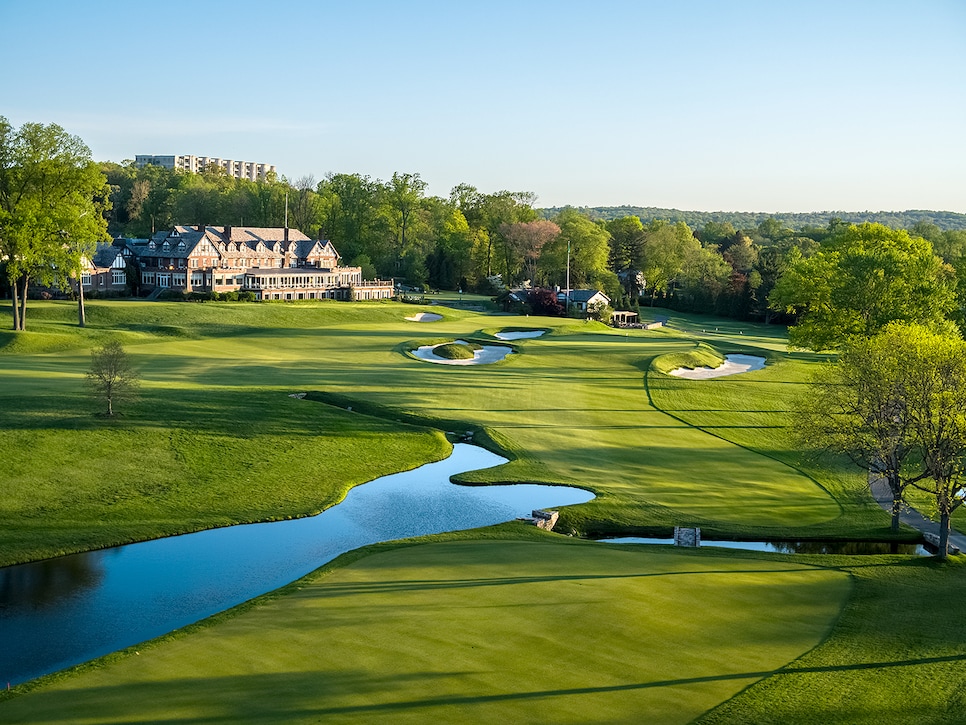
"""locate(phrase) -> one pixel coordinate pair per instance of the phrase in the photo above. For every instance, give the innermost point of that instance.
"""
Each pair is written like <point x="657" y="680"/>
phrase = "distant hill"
<point x="746" y="220"/>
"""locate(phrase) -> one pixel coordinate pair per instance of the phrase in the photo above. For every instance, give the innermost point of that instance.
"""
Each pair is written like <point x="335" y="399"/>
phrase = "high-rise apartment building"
<point x="196" y="164"/>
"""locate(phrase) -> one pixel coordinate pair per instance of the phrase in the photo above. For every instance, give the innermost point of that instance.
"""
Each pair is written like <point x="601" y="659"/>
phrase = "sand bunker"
<point x="425" y="317"/>
<point x="732" y="365"/>
<point x="519" y="334"/>
<point x="487" y="354"/>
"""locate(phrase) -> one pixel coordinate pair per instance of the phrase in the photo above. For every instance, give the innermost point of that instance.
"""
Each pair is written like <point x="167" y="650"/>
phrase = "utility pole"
<point x="568" y="277"/>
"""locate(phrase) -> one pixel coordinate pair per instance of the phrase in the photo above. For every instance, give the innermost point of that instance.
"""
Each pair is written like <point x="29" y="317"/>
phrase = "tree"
<point x="52" y="199"/>
<point x="857" y="407"/>
<point x="626" y="243"/>
<point x="527" y="240"/>
<point x="863" y="278"/>
<point x="936" y="402"/>
<point x="666" y="248"/>
<point x="895" y="404"/>
<point x="111" y="377"/>
<point x="588" y="247"/>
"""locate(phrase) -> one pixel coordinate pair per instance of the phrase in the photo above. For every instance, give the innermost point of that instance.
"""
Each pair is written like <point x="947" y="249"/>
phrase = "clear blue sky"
<point x="800" y="105"/>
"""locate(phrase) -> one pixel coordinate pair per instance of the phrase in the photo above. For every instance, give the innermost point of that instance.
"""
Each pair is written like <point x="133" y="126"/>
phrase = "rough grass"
<point x="895" y="657"/>
<point x="472" y="631"/>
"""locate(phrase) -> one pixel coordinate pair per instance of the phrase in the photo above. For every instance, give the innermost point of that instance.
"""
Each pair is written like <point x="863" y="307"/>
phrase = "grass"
<point x="487" y="624"/>
<point x="455" y="351"/>
<point x="518" y="631"/>
<point x="216" y="438"/>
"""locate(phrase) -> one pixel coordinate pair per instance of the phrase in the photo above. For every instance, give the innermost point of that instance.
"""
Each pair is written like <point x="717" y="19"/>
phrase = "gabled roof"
<point x="584" y="295"/>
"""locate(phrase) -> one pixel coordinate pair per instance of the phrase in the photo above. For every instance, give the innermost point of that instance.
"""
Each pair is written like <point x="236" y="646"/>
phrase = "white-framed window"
<point x="86" y="279"/>
<point x="118" y="276"/>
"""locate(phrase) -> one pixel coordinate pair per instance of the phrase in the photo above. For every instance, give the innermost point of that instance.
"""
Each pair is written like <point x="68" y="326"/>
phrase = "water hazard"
<point x="60" y="612"/>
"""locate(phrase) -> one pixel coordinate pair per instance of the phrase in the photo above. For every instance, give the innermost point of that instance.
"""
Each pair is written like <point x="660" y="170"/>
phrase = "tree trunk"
<point x="943" y="535"/>
<point x="81" y="314"/>
<point x="896" y="487"/>
<point x="15" y="304"/>
<point x="896" y="510"/>
<point x="23" y="303"/>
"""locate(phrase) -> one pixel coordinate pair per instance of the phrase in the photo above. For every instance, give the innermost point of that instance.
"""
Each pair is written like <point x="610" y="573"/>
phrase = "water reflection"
<point x="126" y="595"/>
<point x="794" y="547"/>
<point x="46" y="583"/>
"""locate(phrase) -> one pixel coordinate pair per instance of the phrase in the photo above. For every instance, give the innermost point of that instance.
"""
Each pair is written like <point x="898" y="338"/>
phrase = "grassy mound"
<point x="701" y="356"/>
<point x="455" y="351"/>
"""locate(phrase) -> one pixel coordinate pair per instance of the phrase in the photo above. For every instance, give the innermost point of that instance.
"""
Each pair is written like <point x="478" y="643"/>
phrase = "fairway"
<point x="216" y="439"/>
<point x="473" y="631"/>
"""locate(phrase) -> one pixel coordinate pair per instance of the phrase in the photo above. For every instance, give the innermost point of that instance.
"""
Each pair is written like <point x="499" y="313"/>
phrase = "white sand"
<point x="488" y="354"/>
<point x="519" y="335"/>
<point x="732" y="365"/>
<point x="425" y="317"/>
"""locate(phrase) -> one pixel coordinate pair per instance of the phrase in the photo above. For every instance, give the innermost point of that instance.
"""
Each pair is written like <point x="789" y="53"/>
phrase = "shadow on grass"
<point x="276" y="697"/>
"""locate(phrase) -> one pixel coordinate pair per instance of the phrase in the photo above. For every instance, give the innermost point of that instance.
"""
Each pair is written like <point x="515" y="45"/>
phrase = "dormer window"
<point x="181" y="246"/>
<point x="152" y="245"/>
<point x="165" y="246"/>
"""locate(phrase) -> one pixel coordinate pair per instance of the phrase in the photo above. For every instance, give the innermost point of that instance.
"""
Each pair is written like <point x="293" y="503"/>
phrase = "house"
<point x="274" y="263"/>
<point x="583" y="299"/>
<point x="105" y="271"/>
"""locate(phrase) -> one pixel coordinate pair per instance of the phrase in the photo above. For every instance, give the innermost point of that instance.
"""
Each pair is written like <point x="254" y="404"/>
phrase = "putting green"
<point x="473" y="631"/>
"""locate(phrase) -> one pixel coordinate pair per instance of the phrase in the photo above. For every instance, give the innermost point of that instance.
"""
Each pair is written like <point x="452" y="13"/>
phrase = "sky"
<point x="778" y="106"/>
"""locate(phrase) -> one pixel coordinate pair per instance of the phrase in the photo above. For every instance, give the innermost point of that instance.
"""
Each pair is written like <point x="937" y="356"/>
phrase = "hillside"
<point x="945" y="220"/>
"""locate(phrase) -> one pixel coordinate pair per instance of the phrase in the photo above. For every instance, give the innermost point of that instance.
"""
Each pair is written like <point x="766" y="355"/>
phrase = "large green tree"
<point x="857" y="407"/>
<point x="586" y="245"/>
<point x="862" y="278"/>
<point x="666" y="249"/>
<point x="52" y="200"/>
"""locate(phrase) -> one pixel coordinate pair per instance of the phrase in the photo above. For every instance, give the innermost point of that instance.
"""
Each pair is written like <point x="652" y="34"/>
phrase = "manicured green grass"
<point x="216" y="439"/>
<point x="472" y="631"/>
<point x="895" y="657"/>
<point x="455" y="351"/>
<point x="470" y="626"/>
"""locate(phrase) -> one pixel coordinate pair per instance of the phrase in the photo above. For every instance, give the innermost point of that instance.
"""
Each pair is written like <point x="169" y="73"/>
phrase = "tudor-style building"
<point x="274" y="263"/>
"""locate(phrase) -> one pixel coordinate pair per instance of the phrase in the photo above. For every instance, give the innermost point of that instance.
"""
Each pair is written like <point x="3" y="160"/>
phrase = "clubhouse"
<point x="274" y="263"/>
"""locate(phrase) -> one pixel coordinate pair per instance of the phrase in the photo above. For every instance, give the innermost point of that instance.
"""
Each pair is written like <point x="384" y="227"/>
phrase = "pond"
<point x="64" y="611"/>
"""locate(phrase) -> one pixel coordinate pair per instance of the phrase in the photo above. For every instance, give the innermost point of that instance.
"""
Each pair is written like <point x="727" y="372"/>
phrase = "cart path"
<point x="910" y="516"/>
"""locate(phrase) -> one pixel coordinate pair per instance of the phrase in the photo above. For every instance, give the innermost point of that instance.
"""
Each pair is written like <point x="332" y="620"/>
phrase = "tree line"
<point x="945" y="220"/>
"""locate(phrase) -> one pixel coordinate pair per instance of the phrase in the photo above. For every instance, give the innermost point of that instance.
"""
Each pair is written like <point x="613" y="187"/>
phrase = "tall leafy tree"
<point x="627" y="238"/>
<point x="52" y="199"/>
<point x="527" y="240"/>
<point x="666" y="249"/>
<point x="585" y="243"/>
<point x="862" y="278"/>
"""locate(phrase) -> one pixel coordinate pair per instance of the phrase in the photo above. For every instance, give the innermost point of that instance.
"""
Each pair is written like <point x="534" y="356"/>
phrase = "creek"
<point x="60" y="612"/>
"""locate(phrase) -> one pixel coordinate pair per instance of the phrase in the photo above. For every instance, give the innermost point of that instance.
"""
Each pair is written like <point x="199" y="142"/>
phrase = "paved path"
<point x="911" y="517"/>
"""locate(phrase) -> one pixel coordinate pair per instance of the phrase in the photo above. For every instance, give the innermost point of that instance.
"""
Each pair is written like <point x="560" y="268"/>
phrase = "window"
<point x="118" y="277"/>
<point x="86" y="279"/>
<point x="194" y="263"/>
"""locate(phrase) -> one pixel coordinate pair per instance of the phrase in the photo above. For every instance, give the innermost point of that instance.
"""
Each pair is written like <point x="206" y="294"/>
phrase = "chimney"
<point x="201" y="228"/>
<point x="227" y="233"/>
<point x="285" y="238"/>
